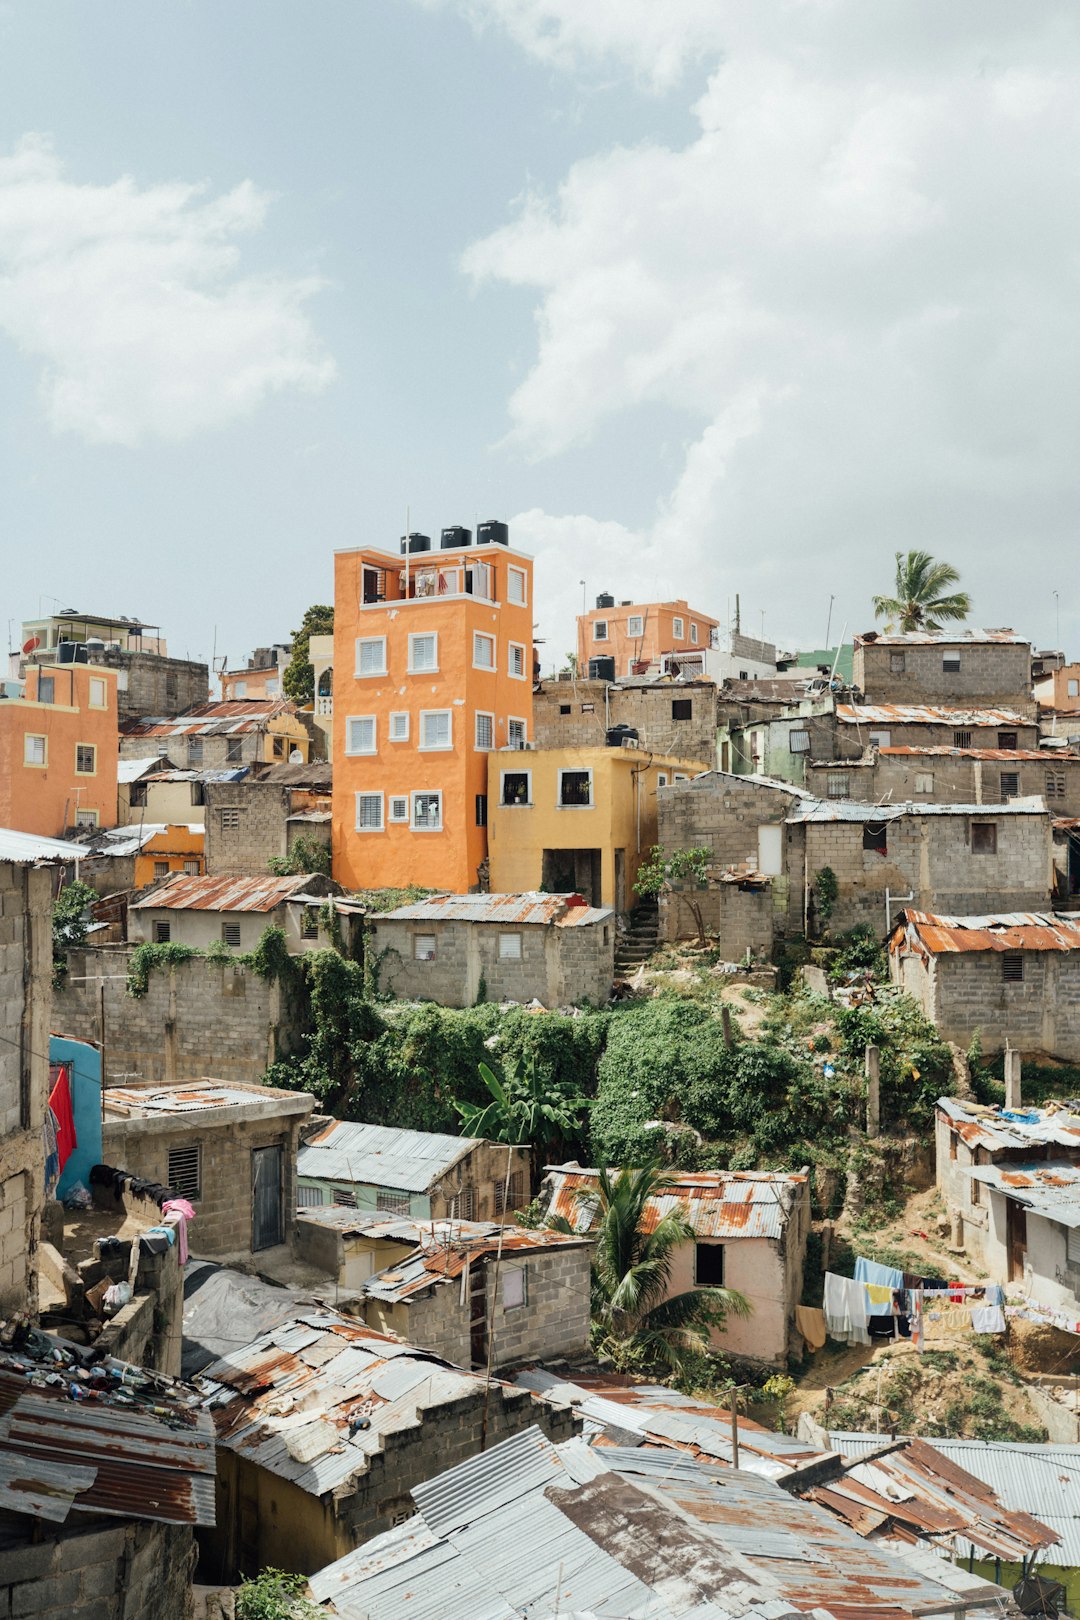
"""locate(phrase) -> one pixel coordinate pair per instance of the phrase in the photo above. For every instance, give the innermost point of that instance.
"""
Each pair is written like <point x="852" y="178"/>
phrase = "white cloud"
<point x="857" y="283"/>
<point x="134" y="301"/>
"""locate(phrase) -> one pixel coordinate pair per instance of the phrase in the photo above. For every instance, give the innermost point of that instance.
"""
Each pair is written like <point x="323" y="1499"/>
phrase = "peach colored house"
<point x="433" y="670"/>
<point x="750" y="1230"/>
<point x="636" y="633"/>
<point x="58" y="750"/>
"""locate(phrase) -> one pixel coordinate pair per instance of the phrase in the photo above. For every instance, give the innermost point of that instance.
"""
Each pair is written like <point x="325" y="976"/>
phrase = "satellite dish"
<point x="31" y="644"/>
<point x="296" y="757"/>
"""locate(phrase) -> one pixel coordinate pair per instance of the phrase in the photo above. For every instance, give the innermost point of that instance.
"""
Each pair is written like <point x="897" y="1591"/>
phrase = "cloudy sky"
<point x="704" y="296"/>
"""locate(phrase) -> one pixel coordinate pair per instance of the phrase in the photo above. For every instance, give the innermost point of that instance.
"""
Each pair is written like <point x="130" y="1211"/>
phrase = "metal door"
<point x="267" y="1227"/>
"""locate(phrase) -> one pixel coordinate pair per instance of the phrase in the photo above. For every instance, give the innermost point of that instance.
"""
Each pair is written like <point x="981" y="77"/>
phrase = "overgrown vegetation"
<point x="70" y="920"/>
<point x="939" y="1393"/>
<point x="270" y="959"/>
<point x="307" y="856"/>
<point x="529" y="1108"/>
<point x="274" y="1595"/>
<point x="683" y="872"/>
<point x="298" y="680"/>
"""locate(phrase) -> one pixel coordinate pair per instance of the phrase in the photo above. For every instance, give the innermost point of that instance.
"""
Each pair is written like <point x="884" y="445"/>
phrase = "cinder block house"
<point x="251" y="821"/>
<point x="992" y="667"/>
<point x="229" y="1149"/>
<point x="234" y="911"/>
<point x="670" y="717"/>
<point x="750" y="1230"/>
<point x="1014" y="977"/>
<point x="550" y="948"/>
<point x="943" y="775"/>
<point x="425" y="1175"/>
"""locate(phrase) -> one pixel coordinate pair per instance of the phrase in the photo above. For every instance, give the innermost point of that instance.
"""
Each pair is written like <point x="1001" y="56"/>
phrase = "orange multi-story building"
<point x="636" y="633"/>
<point x="58" y="750"/>
<point x="433" y="669"/>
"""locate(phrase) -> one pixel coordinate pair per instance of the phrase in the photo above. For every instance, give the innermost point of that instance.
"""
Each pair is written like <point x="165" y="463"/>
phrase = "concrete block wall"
<point x="853" y="739"/>
<point x="98" y="1571"/>
<point x="215" y="756"/>
<point x="149" y="685"/>
<point x="992" y="674"/>
<point x="956" y="778"/>
<point x="25" y="1016"/>
<point x="1040" y="1013"/>
<point x="196" y="1019"/>
<point x="558" y="966"/>
<point x="246" y="851"/>
<point x="594" y="706"/>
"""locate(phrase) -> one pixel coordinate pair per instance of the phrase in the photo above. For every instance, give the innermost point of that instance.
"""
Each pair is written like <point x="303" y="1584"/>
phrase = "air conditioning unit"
<point x="630" y="742"/>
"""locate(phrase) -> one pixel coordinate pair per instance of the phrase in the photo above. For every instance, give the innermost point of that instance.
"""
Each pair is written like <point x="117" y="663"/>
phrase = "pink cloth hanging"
<point x="184" y="1213"/>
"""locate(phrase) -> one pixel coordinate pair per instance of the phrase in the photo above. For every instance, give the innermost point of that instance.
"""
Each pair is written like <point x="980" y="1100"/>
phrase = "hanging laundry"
<point x="52" y="1152"/>
<point x="988" y="1319"/>
<point x="846" y="1309"/>
<point x="60" y="1103"/>
<point x="878" y="1294"/>
<point x="870" y="1271"/>
<point x="811" y="1324"/>
<point x="995" y="1294"/>
<point x="183" y="1212"/>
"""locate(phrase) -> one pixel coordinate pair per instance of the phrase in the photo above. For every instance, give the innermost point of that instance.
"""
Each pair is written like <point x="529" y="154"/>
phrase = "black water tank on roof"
<point x="605" y="600"/>
<point x="615" y="736"/>
<point x="493" y="533"/>
<point x="415" y="542"/>
<point x="455" y="537"/>
<point x="602" y="669"/>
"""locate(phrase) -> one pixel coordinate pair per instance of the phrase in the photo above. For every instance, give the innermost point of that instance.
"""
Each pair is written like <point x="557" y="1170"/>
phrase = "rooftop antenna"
<point x="828" y="622"/>
<point x="1057" y="607"/>
<point x="738" y="622"/>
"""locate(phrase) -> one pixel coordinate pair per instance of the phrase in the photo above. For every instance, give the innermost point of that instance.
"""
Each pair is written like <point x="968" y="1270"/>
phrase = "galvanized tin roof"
<point x="716" y="1203"/>
<point x="130" y="770"/>
<point x="27" y="849"/>
<point x="230" y="718"/>
<point x="940" y="638"/>
<point x="199" y="1096"/>
<point x="183" y="893"/>
<point x="1003" y="755"/>
<point x="1001" y="931"/>
<point x="445" y="1249"/>
<point x="987" y="1125"/>
<point x="353" y="1153"/>
<point x="1047" y="1188"/>
<point x="502" y="909"/>
<point x="924" y="714"/>
<point x="851" y="810"/>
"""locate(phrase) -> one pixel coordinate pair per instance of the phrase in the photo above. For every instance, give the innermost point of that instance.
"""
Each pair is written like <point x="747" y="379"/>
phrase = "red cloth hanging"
<point x="60" y="1103"/>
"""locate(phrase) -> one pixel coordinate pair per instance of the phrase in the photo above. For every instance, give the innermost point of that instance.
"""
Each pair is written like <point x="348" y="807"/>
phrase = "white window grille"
<point x="485" y="732"/>
<point x="483" y="651"/>
<point x="424" y="654"/>
<point x="185" y="1171"/>
<point x="435" y="729"/>
<point x="360" y="734"/>
<point x="369" y="812"/>
<point x="510" y="947"/>
<point x="371" y="655"/>
<point x="399" y="726"/>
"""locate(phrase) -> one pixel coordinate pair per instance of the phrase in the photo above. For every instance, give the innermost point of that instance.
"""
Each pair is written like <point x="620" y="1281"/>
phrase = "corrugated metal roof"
<point x="130" y="770"/>
<point x="987" y="1125"/>
<point x="350" y="1153"/>
<point x="444" y="1251"/>
<point x="310" y="1400"/>
<point x="1047" y="1188"/>
<point x="851" y="810"/>
<point x="716" y="1203"/>
<point x="230" y="718"/>
<point x="135" y="1445"/>
<point x="1005" y="755"/>
<point x="176" y="774"/>
<point x="1043" y="1480"/>
<point x="926" y="714"/>
<point x="1001" y="931"/>
<point x="183" y="893"/>
<point x="199" y="1096"/>
<point x="499" y="908"/>
<point x="939" y="638"/>
<point x="27" y="849"/>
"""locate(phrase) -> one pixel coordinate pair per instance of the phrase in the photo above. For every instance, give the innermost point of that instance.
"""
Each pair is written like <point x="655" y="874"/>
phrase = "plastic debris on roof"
<point x="380" y="1156"/>
<point x="926" y="714"/>
<point x="183" y="893"/>
<point x="990" y="1126"/>
<point x="716" y="1203"/>
<point x="199" y="1096"/>
<point x="565" y="911"/>
<point x="998" y="931"/>
<point x="98" y="1435"/>
<point x="939" y="638"/>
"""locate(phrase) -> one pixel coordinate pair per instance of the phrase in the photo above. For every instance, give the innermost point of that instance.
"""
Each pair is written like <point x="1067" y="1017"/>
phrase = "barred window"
<point x="185" y="1171"/>
<point x="1012" y="967"/>
<point x="508" y="1198"/>
<point x="463" y="1204"/>
<point x="392" y="1203"/>
<point x="309" y="1197"/>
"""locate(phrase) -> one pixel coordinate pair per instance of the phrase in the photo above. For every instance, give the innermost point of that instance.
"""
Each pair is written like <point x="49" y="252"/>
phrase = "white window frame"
<point x="36" y="737"/>
<point x="483" y="748"/>
<point x="575" y="770"/>
<point x="398" y="731"/>
<point x="86" y="818"/>
<point x="513" y="720"/>
<point x="510" y="949"/>
<point x="426" y="747"/>
<point x="678" y="629"/>
<point x="517" y="586"/>
<point x="924" y="781"/>
<point x="478" y="637"/>
<point x="425" y="955"/>
<point x="394" y="819"/>
<point x="414" y="639"/>
<point x="378" y="798"/>
<point x="523" y="804"/>
<point x="635" y="619"/>
<point x="370" y="641"/>
<point x="98" y="683"/>
<point x="513" y="647"/>
<point x="425" y="793"/>
<point x="693" y="631"/>
<point x="599" y="630"/>
<point x="1073" y="691"/>
<point x="359" y="720"/>
<point x="680" y="776"/>
<point x="879" y="739"/>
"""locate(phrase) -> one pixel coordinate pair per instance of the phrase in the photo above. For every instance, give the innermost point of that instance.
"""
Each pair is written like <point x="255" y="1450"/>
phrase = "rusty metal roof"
<point x="183" y="893"/>
<point x="1004" y="931"/>
<point x="234" y="716"/>
<point x="446" y="1249"/>
<point x="134" y="1445"/>
<point x="716" y="1203"/>
<point x="1005" y="755"/>
<point x="565" y="911"/>
<point x="940" y="638"/>
<point x="997" y="1129"/>
<point x="199" y="1096"/>
<point x="920" y="714"/>
<point x="852" y="811"/>
<point x="1047" y="1188"/>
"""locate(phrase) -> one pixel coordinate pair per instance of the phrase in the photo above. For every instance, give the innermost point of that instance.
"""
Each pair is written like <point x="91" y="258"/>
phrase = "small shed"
<point x="234" y="911"/>
<point x="551" y="948"/>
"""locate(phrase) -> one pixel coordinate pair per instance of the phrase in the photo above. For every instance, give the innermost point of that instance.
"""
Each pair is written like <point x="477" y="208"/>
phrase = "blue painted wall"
<point x="85" y="1062"/>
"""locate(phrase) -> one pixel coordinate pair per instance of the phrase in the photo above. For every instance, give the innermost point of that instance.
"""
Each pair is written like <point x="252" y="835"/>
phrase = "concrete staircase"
<point x="639" y="942"/>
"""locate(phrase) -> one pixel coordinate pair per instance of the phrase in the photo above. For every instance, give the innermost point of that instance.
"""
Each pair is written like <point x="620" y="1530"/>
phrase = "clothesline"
<point x="906" y="1305"/>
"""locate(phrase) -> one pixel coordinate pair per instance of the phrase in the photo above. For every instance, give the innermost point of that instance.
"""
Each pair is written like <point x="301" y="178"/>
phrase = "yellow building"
<point x="575" y="820"/>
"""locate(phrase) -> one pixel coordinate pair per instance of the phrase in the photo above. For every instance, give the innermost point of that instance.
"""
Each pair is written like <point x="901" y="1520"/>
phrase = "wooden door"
<point x="1015" y="1238"/>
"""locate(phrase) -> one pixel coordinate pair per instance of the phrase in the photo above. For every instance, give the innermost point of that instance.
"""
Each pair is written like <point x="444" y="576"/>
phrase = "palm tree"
<point x="920" y="602"/>
<point x="635" y="1320"/>
<point x="530" y="1109"/>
